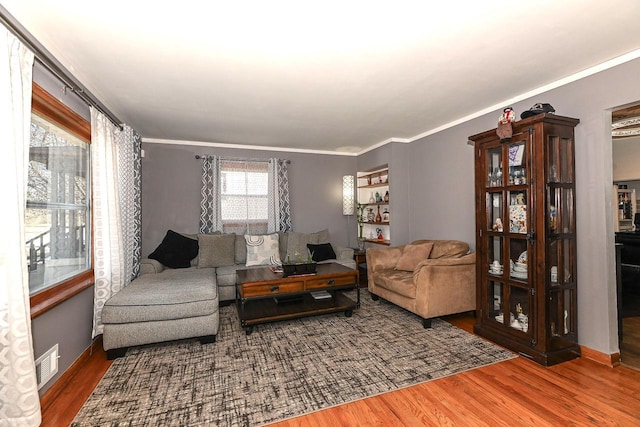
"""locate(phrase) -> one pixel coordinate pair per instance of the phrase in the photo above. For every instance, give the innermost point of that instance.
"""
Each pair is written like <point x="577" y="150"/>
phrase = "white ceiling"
<point x="325" y="75"/>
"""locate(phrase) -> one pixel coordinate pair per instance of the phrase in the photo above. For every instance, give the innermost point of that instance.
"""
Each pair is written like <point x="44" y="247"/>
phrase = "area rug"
<point x="282" y="369"/>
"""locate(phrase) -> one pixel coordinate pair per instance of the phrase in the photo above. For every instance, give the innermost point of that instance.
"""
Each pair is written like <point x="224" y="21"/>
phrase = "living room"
<point x="437" y="170"/>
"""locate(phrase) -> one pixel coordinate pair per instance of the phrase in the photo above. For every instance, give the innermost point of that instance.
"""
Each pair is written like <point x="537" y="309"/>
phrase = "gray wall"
<point x="68" y="325"/>
<point x="441" y="188"/>
<point x="171" y="182"/>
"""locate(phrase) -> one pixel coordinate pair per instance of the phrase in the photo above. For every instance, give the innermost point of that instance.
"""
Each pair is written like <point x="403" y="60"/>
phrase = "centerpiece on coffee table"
<point x="299" y="266"/>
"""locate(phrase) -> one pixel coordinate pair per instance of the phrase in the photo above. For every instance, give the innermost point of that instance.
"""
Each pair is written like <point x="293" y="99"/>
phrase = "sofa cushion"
<point x="321" y="252"/>
<point x="398" y="281"/>
<point x="216" y="250"/>
<point x="175" y="250"/>
<point x="263" y="249"/>
<point x="297" y="243"/>
<point x="160" y="296"/>
<point x="412" y="255"/>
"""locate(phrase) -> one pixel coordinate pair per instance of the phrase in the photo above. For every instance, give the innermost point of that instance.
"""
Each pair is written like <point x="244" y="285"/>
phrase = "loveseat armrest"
<point x="342" y="253"/>
<point x="445" y="285"/>
<point x="150" y="266"/>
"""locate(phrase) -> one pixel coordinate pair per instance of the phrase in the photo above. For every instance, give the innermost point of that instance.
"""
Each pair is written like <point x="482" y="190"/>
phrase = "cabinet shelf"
<point x="374" y="222"/>
<point x="378" y="241"/>
<point x="375" y="204"/>
<point x="385" y="184"/>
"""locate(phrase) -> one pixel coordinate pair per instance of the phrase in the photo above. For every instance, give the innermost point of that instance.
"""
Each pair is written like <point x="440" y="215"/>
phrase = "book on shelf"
<point x="320" y="294"/>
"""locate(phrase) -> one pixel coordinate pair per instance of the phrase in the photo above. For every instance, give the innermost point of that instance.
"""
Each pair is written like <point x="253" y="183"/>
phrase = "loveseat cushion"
<point x="446" y="248"/>
<point x="171" y="294"/>
<point x="412" y="255"/>
<point x="175" y="250"/>
<point x="398" y="281"/>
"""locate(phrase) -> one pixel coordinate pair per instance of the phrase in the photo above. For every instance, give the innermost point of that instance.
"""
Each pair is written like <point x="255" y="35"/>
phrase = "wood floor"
<point x="517" y="392"/>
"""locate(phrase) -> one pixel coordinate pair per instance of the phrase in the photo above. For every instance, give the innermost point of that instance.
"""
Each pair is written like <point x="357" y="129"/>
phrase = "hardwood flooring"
<point x="517" y="392"/>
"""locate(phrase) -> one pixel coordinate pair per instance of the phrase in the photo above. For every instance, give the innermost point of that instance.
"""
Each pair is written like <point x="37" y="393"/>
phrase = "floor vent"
<point x="47" y="366"/>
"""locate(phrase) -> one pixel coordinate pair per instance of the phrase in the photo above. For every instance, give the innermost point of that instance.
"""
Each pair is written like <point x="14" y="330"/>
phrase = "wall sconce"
<point x="348" y="199"/>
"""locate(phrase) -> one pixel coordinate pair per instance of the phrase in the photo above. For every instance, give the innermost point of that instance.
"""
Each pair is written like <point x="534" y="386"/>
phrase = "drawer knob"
<point x="331" y="282"/>
<point x="275" y="288"/>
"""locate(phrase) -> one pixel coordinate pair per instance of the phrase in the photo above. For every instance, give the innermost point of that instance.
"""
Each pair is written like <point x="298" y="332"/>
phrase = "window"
<point x="57" y="216"/>
<point x="244" y="196"/>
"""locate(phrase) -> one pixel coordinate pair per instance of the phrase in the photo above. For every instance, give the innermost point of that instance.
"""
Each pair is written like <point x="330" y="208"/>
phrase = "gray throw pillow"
<point x="216" y="250"/>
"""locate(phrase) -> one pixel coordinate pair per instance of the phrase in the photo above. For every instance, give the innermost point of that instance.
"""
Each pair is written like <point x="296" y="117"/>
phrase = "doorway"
<point x="626" y="175"/>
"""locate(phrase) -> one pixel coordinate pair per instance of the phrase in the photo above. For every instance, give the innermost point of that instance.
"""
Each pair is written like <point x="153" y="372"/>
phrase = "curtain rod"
<point x="201" y="156"/>
<point x="44" y="57"/>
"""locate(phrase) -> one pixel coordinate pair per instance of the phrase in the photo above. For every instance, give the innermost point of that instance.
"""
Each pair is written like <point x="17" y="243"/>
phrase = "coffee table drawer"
<point x="261" y="290"/>
<point x="334" y="281"/>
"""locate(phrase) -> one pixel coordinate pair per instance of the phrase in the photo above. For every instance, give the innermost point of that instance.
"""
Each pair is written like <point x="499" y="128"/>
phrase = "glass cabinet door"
<point x="561" y="242"/>
<point x="508" y="285"/>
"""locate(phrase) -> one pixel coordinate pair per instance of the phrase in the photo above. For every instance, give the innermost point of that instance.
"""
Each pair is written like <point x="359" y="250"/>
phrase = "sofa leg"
<point x="426" y="323"/>
<point x="114" y="353"/>
<point x="375" y="297"/>
<point x="207" y="339"/>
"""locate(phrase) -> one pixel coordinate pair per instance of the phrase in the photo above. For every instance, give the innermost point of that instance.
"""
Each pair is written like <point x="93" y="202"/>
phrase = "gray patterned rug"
<point x="282" y="370"/>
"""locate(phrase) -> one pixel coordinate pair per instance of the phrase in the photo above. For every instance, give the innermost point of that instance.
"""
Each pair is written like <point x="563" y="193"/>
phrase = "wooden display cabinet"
<point x="526" y="238"/>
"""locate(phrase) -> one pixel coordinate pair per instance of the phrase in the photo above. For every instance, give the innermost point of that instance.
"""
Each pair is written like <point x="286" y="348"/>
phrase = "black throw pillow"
<point x="321" y="252"/>
<point x="176" y="250"/>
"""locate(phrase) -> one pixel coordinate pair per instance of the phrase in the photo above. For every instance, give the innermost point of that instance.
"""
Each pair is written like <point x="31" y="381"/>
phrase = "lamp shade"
<point x="348" y="199"/>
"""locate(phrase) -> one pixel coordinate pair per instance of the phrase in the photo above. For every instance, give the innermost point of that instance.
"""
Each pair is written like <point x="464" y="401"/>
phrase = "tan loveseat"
<point x="430" y="278"/>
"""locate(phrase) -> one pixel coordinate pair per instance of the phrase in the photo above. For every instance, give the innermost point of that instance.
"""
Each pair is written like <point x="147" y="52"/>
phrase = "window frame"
<point x="47" y="106"/>
<point x="250" y="166"/>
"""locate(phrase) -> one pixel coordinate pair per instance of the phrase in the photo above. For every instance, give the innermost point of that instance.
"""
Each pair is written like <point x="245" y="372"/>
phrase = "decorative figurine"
<point x="505" y="129"/>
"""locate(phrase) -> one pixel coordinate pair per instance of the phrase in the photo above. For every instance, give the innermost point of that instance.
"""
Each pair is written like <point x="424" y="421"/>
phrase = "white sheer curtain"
<point x="19" y="401"/>
<point x="108" y="248"/>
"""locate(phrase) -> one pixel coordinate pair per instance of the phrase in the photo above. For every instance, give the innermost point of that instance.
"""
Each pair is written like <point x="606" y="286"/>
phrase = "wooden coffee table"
<point x="263" y="296"/>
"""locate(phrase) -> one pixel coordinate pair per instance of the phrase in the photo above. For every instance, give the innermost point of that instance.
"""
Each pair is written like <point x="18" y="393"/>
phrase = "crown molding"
<point x="245" y="147"/>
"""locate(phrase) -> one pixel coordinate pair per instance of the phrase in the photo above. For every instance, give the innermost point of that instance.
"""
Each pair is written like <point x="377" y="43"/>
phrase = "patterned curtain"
<point x="19" y="402"/>
<point x="279" y="204"/>
<point x="128" y="145"/>
<point x="210" y="215"/>
<point x="248" y="207"/>
<point x="115" y="173"/>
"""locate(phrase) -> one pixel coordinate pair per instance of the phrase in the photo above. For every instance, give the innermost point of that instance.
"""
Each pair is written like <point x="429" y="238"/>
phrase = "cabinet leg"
<point x="248" y="330"/>
<point x="426" y="323"/>
<point x="348" y="313"/>
<point x="375" y="297"/>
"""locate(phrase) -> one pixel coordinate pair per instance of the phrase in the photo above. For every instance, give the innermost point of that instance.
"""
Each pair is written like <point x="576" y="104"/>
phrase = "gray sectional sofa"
<point x="165" y="304"/>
